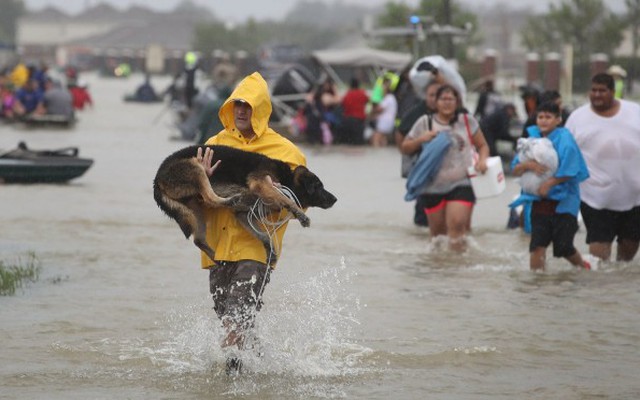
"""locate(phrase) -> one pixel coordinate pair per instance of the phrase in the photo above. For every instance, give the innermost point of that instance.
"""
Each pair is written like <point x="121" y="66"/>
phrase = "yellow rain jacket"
<point x="229" y="240"/>
<point x="19" y="75"/>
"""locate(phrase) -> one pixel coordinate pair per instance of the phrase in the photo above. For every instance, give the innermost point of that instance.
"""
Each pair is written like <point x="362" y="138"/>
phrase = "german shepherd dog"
<point x="183" y="190"/>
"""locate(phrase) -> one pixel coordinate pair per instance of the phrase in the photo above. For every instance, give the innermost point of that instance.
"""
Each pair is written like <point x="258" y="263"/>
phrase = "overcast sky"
<point x="240" y="10"/>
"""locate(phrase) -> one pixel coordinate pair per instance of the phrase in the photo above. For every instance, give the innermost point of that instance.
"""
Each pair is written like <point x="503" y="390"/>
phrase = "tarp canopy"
<point x="363" y="57"/>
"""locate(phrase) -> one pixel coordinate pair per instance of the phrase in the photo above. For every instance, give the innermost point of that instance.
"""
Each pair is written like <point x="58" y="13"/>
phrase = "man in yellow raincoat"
<point x="240" y="271"/>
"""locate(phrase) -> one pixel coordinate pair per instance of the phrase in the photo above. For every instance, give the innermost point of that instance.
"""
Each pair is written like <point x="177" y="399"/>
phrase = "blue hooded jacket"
<point x="571" y="164"/>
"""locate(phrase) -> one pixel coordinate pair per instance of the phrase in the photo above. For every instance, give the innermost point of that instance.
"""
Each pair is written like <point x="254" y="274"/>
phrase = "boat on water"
<point x="49" y="121"/>
<point x="24" y="165"/>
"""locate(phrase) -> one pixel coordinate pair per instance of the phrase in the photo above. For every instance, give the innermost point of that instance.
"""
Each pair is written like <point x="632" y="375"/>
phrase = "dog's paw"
<point x="232" y="201"/>
<point x="304" y="220"/>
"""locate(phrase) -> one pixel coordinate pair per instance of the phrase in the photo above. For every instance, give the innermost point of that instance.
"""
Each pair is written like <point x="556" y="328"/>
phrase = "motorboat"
<point x="24" y="165"/>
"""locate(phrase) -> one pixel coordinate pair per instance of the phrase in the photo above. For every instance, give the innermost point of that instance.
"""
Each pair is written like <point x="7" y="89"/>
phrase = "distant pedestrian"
<point x="489" y="101"/>
<point x="354" y="104"/>
<point x="497" y="126"/>
<point x="385" y="116"/>
<point x="619" y="75"/>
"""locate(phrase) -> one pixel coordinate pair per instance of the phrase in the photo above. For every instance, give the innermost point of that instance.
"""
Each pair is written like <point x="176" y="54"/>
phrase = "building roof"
<point x="172" y="33"/>
<point x="133" y="29"/>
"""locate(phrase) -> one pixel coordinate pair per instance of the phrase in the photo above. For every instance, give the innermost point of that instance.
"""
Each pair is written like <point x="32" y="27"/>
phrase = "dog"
<point x="183" y="190"/>
<point x="542" y="151"/>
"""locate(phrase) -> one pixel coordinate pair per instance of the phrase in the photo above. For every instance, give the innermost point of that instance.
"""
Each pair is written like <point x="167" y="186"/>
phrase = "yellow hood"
<point x="252" y="89"/>
<point x="229" y="239"/>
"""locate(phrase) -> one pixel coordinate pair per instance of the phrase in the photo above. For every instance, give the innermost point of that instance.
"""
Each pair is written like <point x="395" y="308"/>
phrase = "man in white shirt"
<point x="607" y="131"/>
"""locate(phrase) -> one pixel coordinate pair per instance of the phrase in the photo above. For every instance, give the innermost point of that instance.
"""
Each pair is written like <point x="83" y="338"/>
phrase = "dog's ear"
<point x="304" y="178"/>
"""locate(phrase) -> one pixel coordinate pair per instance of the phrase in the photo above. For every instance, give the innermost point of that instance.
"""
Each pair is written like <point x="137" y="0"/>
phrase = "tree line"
<point x="590" y="26"/>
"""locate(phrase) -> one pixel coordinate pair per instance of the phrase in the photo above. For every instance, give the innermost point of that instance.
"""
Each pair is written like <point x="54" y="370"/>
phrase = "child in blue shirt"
<point x="555" y="207"/>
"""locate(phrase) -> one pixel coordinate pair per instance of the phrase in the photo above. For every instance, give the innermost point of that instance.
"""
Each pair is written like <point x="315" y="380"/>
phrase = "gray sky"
<point x="240" y="10"/>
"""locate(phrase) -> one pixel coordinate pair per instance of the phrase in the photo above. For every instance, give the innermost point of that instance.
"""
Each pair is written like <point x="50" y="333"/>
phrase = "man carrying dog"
<point x="239" y="273"/>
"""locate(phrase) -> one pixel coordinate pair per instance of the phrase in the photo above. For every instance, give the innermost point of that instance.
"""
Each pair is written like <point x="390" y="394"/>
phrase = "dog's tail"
<point x="182" y="190"/>
<point x="176" y="210"/>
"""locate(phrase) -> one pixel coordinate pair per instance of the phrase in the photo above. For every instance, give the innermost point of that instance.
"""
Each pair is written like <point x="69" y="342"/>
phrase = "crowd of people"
<point x="356" y="118"/>
<point x="597" y="149"/>
<point x="29" y="91"/>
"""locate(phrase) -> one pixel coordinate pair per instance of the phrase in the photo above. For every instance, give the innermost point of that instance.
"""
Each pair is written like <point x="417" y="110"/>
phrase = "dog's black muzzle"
<point x="327" y="200"/>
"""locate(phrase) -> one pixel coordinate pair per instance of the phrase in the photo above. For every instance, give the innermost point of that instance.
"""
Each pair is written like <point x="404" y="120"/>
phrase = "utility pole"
<point x="448" y="39"/>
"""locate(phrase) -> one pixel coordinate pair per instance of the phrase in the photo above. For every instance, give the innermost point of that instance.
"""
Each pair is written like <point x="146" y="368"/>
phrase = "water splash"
<point x="305" y="331"/>
<point x="308" y="329"/>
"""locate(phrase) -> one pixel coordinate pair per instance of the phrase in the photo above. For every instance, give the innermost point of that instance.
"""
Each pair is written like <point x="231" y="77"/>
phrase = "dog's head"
<point x="310" y="190"/>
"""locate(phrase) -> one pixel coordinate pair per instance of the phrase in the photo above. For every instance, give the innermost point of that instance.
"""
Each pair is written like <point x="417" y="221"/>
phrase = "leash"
<point x="259" y="214"/>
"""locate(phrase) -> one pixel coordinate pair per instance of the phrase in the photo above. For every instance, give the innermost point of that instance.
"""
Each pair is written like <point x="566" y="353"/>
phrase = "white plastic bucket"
<point x="492" y="182"/>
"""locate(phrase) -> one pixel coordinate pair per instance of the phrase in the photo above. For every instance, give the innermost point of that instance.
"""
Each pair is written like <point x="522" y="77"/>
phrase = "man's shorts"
<point x="235" y="287"/>
<point x="559" y="229"/>
<point x="605" y="225"/>
<point x="436" y="202"/>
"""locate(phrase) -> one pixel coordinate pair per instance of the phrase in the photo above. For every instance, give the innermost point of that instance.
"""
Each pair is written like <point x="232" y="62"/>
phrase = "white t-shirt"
<point x="611" y="149"/>
<point x="386" y="120"/>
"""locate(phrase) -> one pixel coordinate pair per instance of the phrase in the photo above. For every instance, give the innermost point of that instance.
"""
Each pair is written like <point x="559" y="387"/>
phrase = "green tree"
<point x="434" y="13"/>
<point x="588" y="25"/>
<point x="12" y="10"/>
<point x="449" y="12"/>
<point x="395" y="15"/>
<point x="253" y="34"/>
<point x="633" y="19"/>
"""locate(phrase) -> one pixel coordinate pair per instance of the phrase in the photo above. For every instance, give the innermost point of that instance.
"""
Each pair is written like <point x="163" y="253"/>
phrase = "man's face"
<point x="242" y="116"/>
<point x="601" y="97"/>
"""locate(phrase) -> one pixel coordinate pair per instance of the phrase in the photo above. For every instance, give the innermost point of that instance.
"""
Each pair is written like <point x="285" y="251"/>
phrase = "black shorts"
<point x="435" y="202"/>
<point x="559" y="229"/>
<point x="235" y="286"/>
<point x="605" y="225"/>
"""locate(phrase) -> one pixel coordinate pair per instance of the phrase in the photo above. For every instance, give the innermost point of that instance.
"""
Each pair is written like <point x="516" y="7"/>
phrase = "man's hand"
<point x="545" y="187"/>
<point x="206" y="160"/>
<point x="536" y="167"/>
<point x="427" y="136"/>
<point x="272" y="182"/>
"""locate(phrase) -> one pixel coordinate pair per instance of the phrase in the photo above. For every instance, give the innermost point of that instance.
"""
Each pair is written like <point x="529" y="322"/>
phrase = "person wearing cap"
<point x="241" y="269"/>
<point x="619" y="75"/>
<point x="607" y="131"/>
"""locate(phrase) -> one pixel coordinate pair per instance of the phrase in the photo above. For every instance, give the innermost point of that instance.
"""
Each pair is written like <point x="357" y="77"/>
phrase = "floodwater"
<point x="361" y="305"/>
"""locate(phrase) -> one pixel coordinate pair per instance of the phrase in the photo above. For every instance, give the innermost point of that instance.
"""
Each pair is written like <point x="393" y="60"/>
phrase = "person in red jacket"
<point x="354" y="115"/>
<point x="81" y="96"/>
